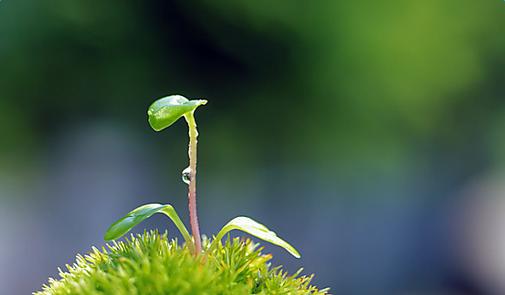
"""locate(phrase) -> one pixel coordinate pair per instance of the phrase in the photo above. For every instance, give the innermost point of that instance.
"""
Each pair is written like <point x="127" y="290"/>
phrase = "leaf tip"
<point x="295" y="253"/>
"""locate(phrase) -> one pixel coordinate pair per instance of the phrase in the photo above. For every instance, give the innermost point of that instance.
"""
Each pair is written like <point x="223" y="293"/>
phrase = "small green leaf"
<point x="256" y="229"/>
<point x="167" y="110"/>
<point x="125" y="224"/>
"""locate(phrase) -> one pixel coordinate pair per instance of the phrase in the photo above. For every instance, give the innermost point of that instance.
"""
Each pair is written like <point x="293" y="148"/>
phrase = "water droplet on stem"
<point x="186" y="175"/>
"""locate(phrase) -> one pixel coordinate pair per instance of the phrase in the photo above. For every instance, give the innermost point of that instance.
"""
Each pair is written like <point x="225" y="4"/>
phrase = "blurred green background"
<point x="369" y="134"/>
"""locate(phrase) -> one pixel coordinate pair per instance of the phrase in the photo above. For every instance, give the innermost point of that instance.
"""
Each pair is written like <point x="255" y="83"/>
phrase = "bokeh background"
<point x="369" y="134"/>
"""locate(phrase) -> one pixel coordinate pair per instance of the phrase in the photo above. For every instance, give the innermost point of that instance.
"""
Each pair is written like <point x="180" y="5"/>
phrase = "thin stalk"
<point x="193" y="217"/>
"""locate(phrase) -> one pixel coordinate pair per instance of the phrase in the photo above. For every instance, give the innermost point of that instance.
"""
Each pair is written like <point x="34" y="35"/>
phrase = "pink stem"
<point x="193" y="217"/>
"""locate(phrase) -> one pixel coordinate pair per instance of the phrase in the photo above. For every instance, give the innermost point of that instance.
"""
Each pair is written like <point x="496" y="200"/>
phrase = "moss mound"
<point x="151" y="264"/>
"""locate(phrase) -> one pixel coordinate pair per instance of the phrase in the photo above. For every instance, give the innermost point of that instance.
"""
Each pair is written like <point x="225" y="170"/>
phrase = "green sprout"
<point x="163" y="113"/>
<point x="150" y="263"/>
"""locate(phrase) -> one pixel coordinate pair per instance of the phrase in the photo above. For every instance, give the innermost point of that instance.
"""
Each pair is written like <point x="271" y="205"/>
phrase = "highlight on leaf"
<point x="256" y="229"/>
<point x="167" y="110"/>
<point x="136" y="216"/>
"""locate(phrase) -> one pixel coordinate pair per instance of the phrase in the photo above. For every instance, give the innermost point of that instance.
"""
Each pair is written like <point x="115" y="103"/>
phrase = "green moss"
<point x="151" y="264"/>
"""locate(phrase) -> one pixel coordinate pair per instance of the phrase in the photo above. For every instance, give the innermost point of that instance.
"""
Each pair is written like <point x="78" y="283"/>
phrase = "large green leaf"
<point x="165" y="111"/>
<point x="256" y="229"/>
<point x="125" y="224"/>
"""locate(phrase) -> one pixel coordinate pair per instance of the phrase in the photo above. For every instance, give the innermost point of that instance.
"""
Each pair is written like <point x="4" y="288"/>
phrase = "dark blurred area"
<point x="369" y="134"/>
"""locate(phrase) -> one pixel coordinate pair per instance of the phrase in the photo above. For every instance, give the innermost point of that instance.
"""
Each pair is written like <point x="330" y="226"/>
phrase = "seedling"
<point x="150" y="263"/>
<point x="163" y="113"/>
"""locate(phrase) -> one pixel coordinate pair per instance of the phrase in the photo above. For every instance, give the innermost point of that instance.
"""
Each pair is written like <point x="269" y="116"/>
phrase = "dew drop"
<point x="186" y="175"/>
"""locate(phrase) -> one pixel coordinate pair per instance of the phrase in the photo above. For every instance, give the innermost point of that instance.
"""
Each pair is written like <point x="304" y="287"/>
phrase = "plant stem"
<point x="193" y="217"/>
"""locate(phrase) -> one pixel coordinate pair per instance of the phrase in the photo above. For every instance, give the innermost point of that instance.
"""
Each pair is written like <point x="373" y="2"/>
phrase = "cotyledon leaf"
<point x="167" y="110"/>
<point x="256" y="229"/>
<point x="136" y="216"/>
